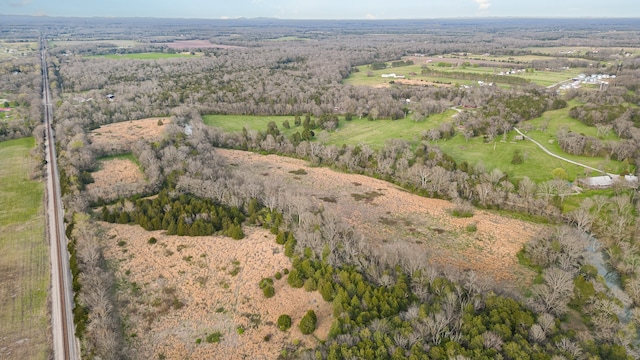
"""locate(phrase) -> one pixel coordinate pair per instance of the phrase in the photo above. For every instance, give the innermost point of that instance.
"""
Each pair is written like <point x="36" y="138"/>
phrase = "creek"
<point x="597" y="257"/>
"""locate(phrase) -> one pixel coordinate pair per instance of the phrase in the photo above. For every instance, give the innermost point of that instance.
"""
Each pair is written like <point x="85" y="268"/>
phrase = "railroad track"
<point x="65" y="345"/>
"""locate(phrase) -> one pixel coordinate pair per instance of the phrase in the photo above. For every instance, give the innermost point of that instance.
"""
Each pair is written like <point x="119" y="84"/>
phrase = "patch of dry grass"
<point x="177" y="290"/>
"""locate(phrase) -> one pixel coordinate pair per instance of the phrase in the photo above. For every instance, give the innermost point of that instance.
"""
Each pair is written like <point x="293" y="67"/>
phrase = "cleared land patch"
<point x="463" y="70"/>
<point x="24" y="257"/>
<point x="537" y="165"/>
<point x="123" y="134"/>
<point x="390" y="217"/>
<point x="175" y="290"/>
<point x="116" y="171"/>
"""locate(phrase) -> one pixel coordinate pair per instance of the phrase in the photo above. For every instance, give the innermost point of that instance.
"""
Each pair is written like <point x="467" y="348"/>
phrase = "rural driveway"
<point x="560" y="157"/>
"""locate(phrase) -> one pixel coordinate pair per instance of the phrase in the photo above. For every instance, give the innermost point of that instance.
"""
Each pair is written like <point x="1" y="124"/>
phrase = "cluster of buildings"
<point x="511" y="72"/>
<point x="595" y="79"/>
<point x="393" y="76"/>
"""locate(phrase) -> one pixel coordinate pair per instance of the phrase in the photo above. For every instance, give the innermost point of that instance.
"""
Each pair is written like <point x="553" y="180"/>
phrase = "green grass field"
<point x="498" y="154"/>
<point x="377" y="133"/>
<point x="354" y="132"/>
<point x="499" y="64"/>
<point x="24" y="256"/>
<point x="235" y="123"/>
<point x="143" y="56"/>
<point x="537" y="164"/>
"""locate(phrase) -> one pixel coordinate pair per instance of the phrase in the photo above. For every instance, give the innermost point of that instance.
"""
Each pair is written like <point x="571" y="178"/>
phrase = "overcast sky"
<point x="324" y="9"/>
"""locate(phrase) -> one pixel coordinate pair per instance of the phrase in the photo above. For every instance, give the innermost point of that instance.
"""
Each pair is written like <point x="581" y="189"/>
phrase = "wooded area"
<point x="387" y="304"/>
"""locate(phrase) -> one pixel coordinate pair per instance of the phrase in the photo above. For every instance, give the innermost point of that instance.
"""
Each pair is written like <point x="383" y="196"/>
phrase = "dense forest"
<point x="386" y="304"/>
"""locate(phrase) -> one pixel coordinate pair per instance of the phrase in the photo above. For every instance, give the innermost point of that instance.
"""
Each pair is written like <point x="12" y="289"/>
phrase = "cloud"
<point x="370" y="17"/>
<point x="20" y="3"/>
<point x="482" y="4"/>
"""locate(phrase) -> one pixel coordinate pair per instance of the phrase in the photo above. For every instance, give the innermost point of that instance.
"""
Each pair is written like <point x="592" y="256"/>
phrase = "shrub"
<point x="265" y="282"/>
<point x="295" y="280"/>
<point x="310" y="285"/>
<point x="290" y="247"/>
<point x="152" y="240"/>
<point x="517" y="158"/>
<point x="472" y="227"/>
<point x="462" y="211"/>
<point x="268" y="291"/>
<point x="215" y="337"/>
<point x="284" y="322"/>
<point x="308" y="323"/>
<point x="278" y="275"/>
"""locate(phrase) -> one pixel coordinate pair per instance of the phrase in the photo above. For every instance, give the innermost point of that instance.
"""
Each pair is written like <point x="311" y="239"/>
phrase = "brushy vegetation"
<point x="284" y="322"/>
<point x="183" y="215"/>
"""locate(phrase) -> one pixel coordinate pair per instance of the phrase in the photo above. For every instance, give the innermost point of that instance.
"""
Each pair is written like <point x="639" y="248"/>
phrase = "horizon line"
<point x="334" y="19"/>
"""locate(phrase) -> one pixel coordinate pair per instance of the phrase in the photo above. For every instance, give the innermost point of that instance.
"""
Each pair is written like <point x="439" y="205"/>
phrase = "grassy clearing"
<point x="499" y="64"/>
<point x="143" y="56"/>
<point x="24" y="257"/>
<point x="127" y="156"/>
<point x="354" y="132"/>
<point x="496" y="154"/>
<point x="235" y="123"/>
<point x="376" y="133"/>
<point x="537" y="164"/>
<point x="558" y="119"/>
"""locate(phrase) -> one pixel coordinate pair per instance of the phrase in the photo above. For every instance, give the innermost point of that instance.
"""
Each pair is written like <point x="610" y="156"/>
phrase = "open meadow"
<point x="24" y="257"/>
<point x="478" y="67"/>
<point x="476" y="151"/>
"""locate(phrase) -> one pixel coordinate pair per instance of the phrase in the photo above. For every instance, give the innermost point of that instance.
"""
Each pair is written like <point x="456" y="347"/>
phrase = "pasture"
<point x="24" y="256"/>
<point x="235" y="123"/>
<point x="491" y="66"/>
<point x="476" y="152"/>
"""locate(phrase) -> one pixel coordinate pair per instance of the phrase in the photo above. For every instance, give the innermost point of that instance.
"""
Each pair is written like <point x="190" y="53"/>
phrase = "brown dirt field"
<point x="116" y="171"/>
<point x="396" y="218"/>
<point x="198" y="44"/>
<point x="199" y="273"/>
<point x="122" y="134"/>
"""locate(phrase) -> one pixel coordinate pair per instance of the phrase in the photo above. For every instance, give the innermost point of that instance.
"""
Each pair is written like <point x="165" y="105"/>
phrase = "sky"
<point x="323" y="9"/>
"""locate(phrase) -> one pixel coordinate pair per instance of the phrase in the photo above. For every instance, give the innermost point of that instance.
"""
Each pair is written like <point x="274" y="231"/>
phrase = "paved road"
<point x="65" y="344"/>
<point x="560" y="157"/>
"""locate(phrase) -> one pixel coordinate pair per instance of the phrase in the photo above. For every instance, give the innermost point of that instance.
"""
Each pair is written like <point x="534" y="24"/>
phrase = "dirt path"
<point x="560" y="157"/>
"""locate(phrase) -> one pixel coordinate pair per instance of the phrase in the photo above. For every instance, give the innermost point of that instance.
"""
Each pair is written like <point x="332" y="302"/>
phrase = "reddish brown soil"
<point x="199" y="272"/>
